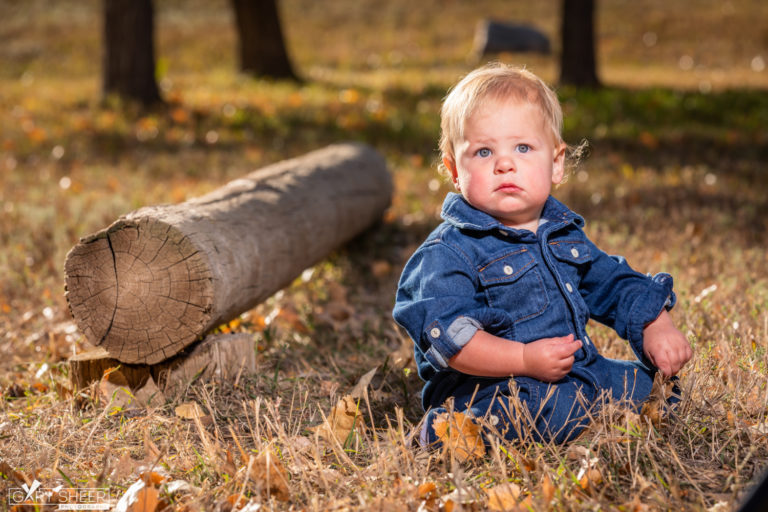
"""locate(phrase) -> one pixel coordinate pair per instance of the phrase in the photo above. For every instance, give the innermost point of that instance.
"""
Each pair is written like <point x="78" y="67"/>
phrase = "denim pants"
<point x="551" y="411"/>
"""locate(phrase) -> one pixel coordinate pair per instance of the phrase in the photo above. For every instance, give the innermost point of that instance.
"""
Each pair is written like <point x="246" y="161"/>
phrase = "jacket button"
<point x="569" y="287"/>
<point x="508" y="270"/>
<point x="435" y="332"/>
<point x="575" y="252"/>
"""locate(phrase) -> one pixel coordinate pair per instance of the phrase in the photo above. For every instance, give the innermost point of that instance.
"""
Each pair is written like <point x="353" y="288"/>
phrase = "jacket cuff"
<point x="646" y="309"/>
<point x="446" y="343"/>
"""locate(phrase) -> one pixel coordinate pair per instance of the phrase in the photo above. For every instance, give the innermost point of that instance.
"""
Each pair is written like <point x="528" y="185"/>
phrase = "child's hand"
<point x="665" y="345"/>
<point x="550" y="359"/>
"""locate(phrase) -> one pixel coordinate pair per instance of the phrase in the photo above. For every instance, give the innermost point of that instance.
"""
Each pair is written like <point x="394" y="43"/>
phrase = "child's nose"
<point x="504" y="164"/>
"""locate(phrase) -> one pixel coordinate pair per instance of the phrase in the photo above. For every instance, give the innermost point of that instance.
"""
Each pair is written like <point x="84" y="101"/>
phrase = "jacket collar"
<point x="458" y="212"/>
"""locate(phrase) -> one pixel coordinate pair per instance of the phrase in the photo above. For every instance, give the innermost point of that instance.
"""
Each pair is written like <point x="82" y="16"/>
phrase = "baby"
<point x="498" y="297"/>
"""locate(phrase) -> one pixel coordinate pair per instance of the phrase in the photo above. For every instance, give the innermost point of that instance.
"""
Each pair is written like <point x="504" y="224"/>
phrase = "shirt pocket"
<point x="573" y="258"/>
<point x="512" y="282"/>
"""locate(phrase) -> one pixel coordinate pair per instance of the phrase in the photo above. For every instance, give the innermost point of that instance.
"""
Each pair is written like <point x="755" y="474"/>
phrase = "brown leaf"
<point x="237" y="501"/>
<point x="459" y="435"/>
<point x="427" y="490"/>
<point x="362" y="383"/>
<point x="149" y="395"/>
<point x="268" y="472"/>
<point x="591" y="478"/>
<point x="139" y="497"/>
<point x="153" y="478"/>
<point x="547" y="489"/>
<point x="503" y="496"/>
<point x="651" y="411"/>
<point x="18" y="476"/>
<point x="189" y="411"/>
<point x="344" y="419"/>
<point x="146" y="500"/>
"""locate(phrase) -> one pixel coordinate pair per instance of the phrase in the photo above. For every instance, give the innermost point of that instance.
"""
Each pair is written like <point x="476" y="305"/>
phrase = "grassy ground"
<point x="675" y="182"/>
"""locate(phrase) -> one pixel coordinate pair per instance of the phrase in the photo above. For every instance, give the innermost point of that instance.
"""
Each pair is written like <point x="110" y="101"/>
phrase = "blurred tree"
<point x="577" y="57"/>
<point x="262" y="48"/>
<point x="129" y="51"/>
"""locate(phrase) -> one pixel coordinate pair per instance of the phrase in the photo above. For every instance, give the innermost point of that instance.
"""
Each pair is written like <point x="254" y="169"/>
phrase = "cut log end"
<point x="139" y="289"/>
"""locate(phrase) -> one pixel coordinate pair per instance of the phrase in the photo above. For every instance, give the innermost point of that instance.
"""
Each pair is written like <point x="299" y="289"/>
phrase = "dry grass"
<point x="675" y="182"/>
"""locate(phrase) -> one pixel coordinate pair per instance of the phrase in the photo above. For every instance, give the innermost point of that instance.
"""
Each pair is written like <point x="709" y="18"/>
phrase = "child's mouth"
<point x="508" y="187"/>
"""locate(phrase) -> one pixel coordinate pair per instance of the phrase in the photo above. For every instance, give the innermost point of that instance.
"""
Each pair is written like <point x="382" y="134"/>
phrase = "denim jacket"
<point x="472" y="272"/>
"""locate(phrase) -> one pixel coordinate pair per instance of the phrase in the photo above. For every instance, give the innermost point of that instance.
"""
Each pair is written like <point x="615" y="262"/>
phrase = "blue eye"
<point x="483" y="152"/>
<point x="523" y="148"/>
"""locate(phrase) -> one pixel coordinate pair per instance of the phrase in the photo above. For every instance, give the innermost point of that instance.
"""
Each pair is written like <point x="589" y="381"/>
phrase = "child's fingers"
<point x="569" y="347"/>
<point x="666" y="363"/>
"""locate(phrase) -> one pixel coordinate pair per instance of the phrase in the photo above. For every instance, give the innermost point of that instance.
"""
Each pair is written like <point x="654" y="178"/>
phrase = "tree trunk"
<point x="577" y="60"/>
<point x="261" y="44"/>
<point x="129" y="51"/>
<point x="160" y="277"/>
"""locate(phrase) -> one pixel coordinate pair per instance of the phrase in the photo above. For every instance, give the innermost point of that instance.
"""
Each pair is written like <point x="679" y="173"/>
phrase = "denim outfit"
<point x="472" y="272"/>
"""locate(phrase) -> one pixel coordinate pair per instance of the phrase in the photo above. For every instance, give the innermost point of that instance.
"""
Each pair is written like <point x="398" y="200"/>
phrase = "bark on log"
<point x="160" y="277"/>
<point x="218" y="358"/>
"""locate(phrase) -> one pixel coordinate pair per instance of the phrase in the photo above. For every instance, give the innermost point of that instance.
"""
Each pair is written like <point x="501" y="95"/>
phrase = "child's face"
<point x="507" y="161"/>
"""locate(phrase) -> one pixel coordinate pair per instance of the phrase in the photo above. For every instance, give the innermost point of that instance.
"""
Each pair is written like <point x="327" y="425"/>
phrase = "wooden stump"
<point x="160" y="277"/>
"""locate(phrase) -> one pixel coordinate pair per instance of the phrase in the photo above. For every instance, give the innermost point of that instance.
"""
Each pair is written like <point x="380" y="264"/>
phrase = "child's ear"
<point x="451" y="166"/>
<point x="558" y="163"/>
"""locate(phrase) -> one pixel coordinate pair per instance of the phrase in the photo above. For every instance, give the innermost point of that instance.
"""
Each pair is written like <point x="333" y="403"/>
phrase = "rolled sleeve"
<point x="439" y="306"/>
<point x="447" y="342"/>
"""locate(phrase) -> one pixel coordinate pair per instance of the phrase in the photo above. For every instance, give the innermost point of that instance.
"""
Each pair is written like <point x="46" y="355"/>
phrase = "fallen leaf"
<point x="344" y="420"/>
<point x="590" y="478"/>
<point x="459" y="435"/>
<point x="18" y="476"/>
<point x="503" y="496"/>
<point x="146" y="500"/>
<point x="427" y="490"/>
<point x="547" y="489"/>
<point x="189" y="411"/>
<point x="651" y="411"/>
<point x="237" y="501"/>
<point x="267" y="471"/>
<point x="362" y="384"/>
<point x="149" y="395"/>
<point x="133" y="495"/>
<point x="153" y="478"/>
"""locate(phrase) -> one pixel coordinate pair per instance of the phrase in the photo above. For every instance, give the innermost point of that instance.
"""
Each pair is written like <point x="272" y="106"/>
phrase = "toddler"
<point x="497" y="298"/>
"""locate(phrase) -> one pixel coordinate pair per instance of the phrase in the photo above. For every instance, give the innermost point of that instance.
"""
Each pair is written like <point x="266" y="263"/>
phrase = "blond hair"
<point x="495" y="81"/>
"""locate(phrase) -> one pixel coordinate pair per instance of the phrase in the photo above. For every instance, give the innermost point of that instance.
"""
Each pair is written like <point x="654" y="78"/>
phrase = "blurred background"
<point x="109" y="106"/>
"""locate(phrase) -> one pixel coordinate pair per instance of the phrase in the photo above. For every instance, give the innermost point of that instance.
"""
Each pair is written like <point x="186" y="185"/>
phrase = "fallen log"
<point x="160" y="277"/>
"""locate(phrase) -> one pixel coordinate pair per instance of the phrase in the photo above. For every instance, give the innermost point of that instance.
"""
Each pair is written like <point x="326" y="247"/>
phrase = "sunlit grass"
<point x="675" y="182"/>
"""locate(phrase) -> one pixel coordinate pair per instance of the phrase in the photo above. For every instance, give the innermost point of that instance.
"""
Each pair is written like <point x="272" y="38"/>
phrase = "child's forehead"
<point x="493" y="105"/>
